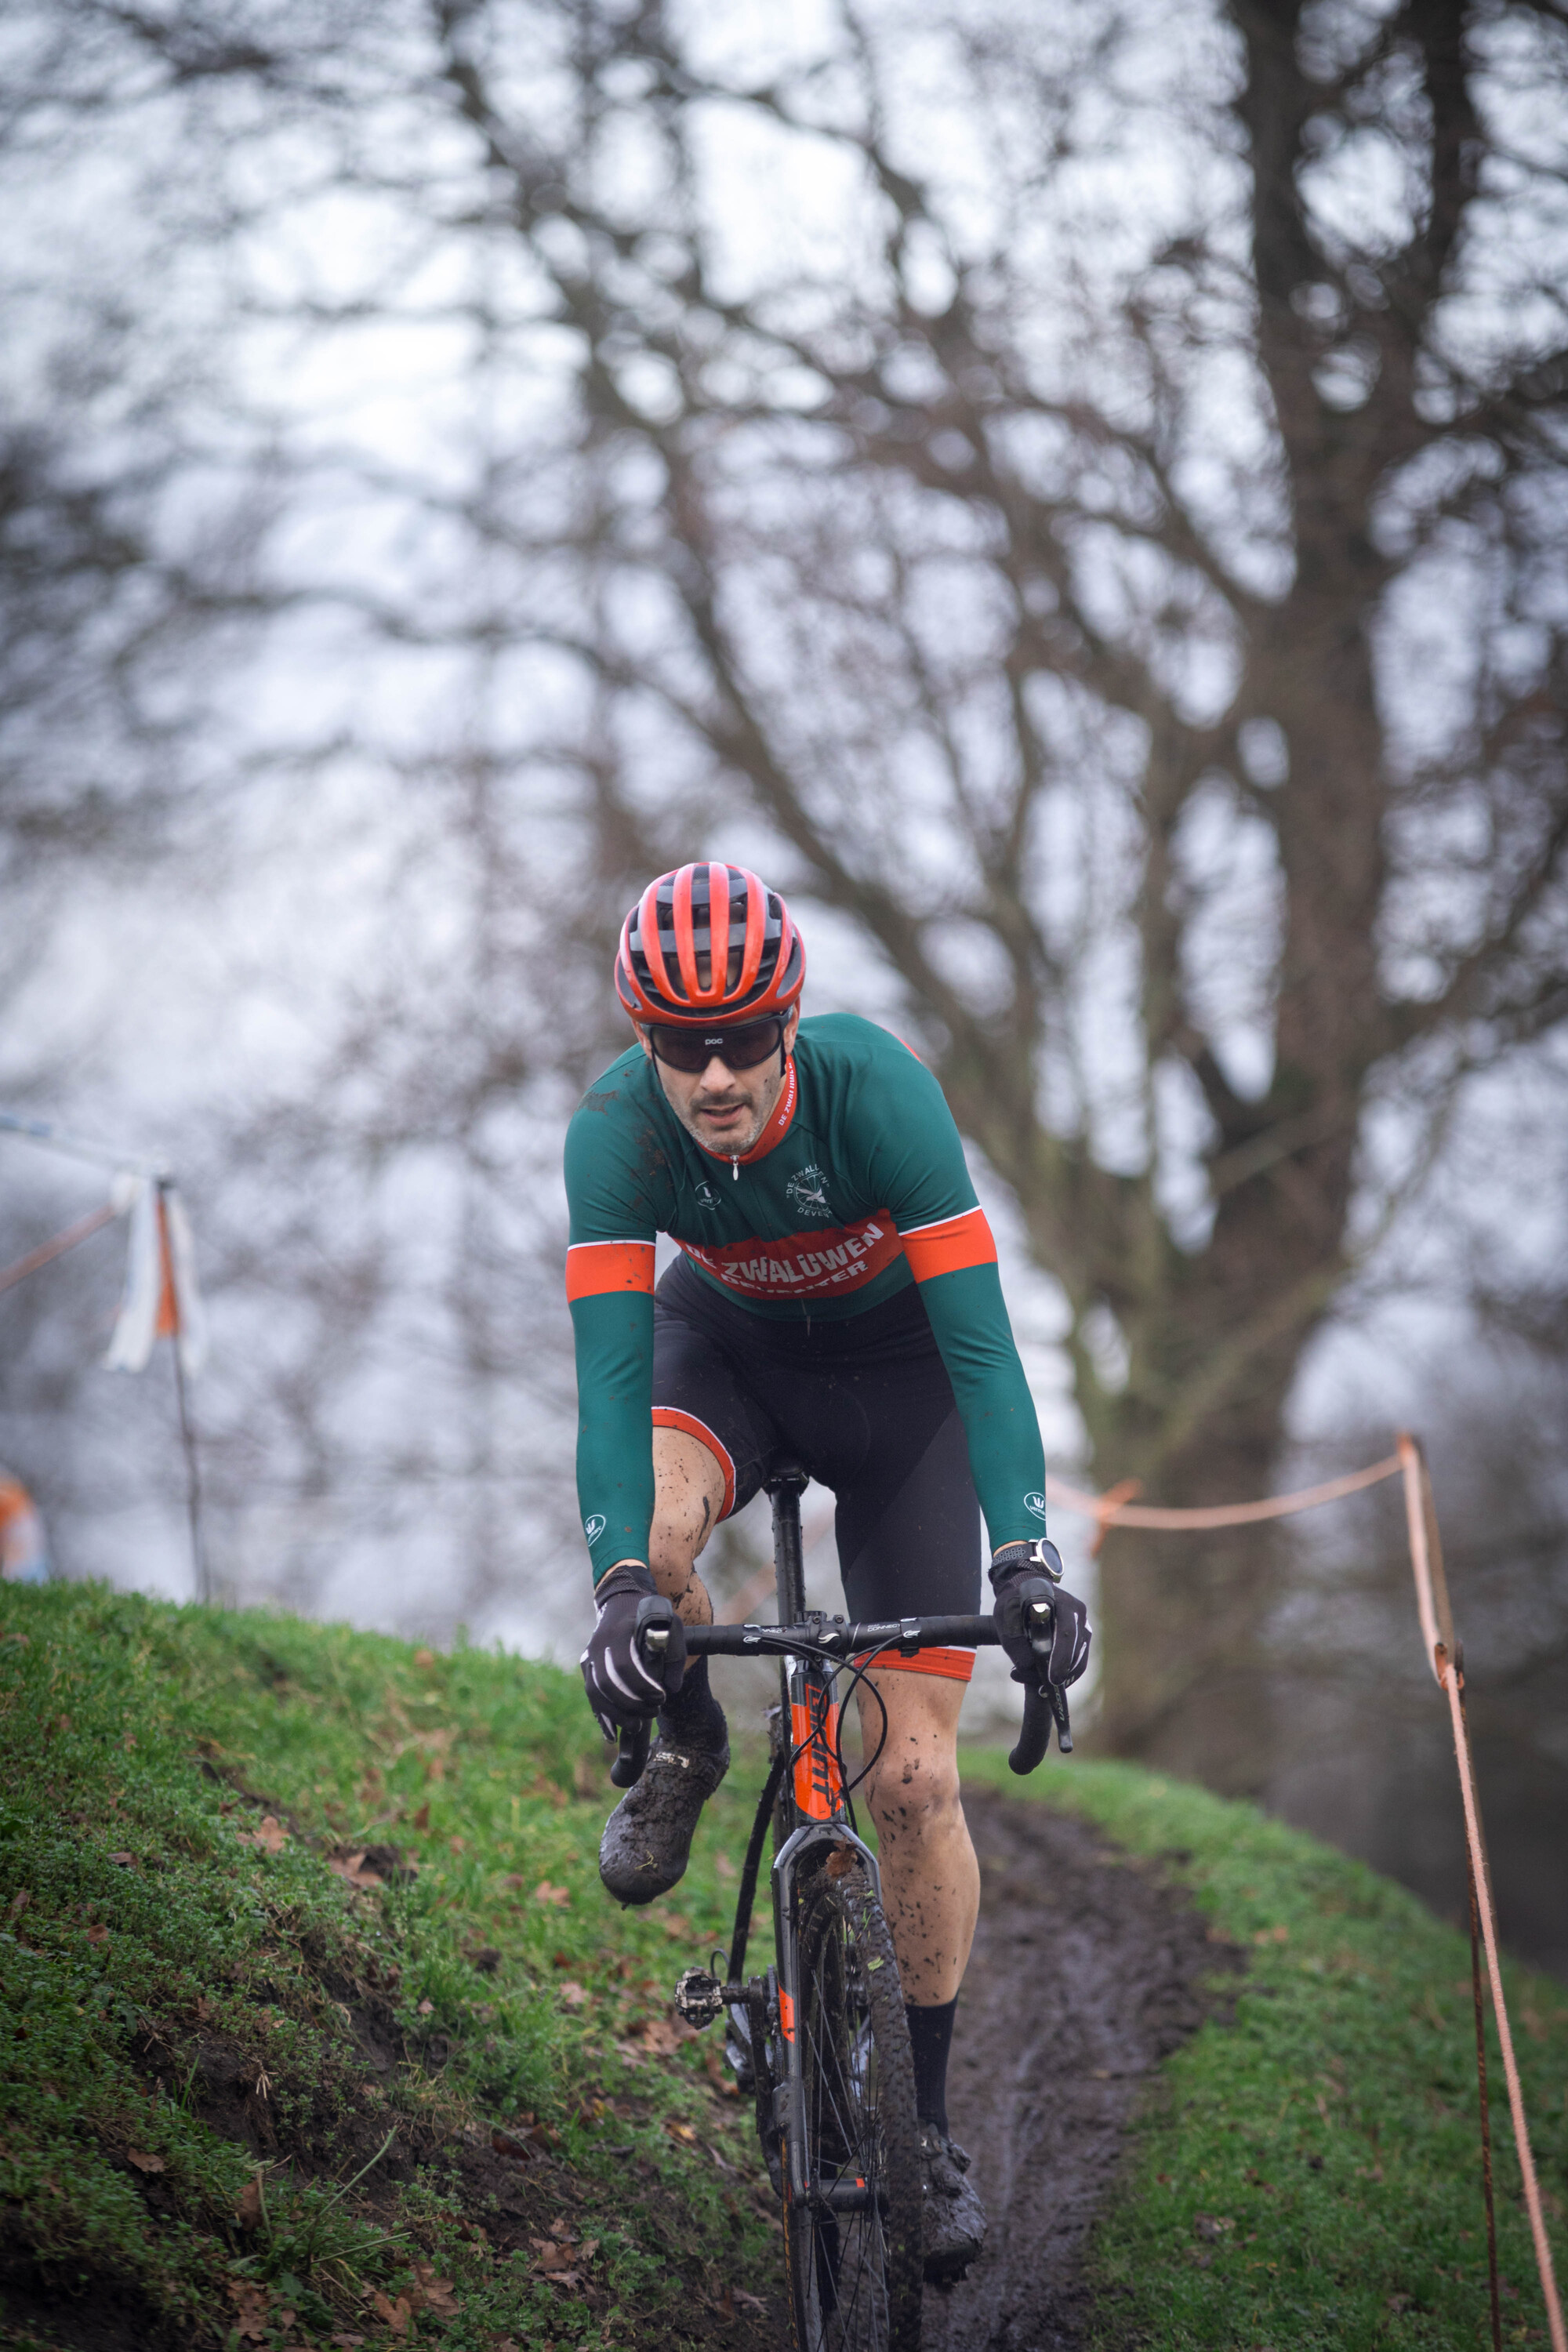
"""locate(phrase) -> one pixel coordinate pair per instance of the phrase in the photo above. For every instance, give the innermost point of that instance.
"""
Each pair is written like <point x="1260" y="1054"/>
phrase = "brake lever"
<point x="631" y="1755"/>
<point x="1044" y="1705"/>
<point x="631" y="1751"/>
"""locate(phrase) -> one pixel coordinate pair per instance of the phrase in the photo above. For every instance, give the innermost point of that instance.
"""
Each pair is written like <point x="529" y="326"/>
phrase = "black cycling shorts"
<point x="866" y="1406"/>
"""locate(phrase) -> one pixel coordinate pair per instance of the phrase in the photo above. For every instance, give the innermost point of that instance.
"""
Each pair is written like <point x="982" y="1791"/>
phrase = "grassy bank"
<point x="317" y="2027"/>
<point x="1308" y="2175"/>
<point x="320" y="2033"/>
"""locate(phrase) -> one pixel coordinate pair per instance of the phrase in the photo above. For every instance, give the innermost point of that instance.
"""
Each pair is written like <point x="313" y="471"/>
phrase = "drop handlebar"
<point x="1043" y="1704"/>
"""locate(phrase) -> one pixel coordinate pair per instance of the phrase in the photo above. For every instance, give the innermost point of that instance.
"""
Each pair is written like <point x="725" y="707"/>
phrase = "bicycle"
<point x="819" y="2037"/>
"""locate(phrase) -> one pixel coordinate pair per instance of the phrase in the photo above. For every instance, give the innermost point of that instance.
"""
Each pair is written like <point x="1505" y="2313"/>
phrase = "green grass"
<point x="1328" y="2135"/>
<point x="207" y="2039"/>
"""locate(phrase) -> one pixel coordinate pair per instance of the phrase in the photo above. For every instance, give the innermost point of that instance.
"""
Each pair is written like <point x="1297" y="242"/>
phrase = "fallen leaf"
<point x="680" y="2131"/>
<point x="98" y="1932"/>
<point x="271" y="1837"/>
<point x="17" y="1905"/>
<point x="422" y="1818"/>
<point x="460" y="1845"/>
<point x="1271" y="1936"/>
<point x="423" y="1657"/>
<point x="425" y="2009"/>
<point x="546" y="1892"/>
<point x="436" y="2293"/>
<point x="126" y="1861"/>
<point x="252" y="2304"/>
<point x="144" y="2163"/>
<point x="662" y="2036"/>
<point x="1213" y="2225"/>
<point x="62" y="1723"/>
<point x="754" y="2300"/>
<point x="574" y="1994"/>
<point x="396" y="2314"/>
<point x="247" y="2213"/>
<point x="352" y="1868"/>
<point x="588" y="2250"/>
<point x="677" y="1927"/>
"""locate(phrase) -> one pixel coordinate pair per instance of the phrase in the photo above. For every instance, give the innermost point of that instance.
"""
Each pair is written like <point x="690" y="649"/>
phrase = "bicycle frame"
<point x="805" y="1796"/>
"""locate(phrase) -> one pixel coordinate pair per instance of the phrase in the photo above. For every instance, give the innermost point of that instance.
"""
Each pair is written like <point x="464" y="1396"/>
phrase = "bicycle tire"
<point x="854" y="2274"/>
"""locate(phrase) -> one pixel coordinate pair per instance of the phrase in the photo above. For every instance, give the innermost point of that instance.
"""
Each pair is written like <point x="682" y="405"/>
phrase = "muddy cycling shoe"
<point x="647" y="1839"/>
<point x="953" y="2217"/>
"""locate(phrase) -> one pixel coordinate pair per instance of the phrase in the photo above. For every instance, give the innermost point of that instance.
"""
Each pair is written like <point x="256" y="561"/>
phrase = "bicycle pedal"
<point x="698" y="1997"/>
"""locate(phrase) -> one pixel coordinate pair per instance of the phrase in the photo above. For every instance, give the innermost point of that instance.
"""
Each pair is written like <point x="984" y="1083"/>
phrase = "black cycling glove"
<point x="622" y="1686"/>
<point x="1020" y="1575"/>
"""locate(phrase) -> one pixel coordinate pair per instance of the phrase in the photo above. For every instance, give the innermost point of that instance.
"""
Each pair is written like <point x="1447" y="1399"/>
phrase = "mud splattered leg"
<point x="689" y="1496"/>
<point x="931" y="1879"/>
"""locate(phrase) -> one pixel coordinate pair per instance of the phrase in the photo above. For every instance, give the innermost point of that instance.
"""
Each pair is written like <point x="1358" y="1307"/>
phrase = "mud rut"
<point x="1087" y="1971"/>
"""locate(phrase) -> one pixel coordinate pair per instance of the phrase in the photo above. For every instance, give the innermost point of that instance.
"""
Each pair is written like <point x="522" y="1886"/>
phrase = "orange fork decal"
<point x="813" y="1732"/>
<point x="786" y="2014"/>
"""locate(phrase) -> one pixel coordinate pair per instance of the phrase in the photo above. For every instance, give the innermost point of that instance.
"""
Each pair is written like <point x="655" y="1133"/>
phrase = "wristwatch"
<point x="1039" y="1553"/>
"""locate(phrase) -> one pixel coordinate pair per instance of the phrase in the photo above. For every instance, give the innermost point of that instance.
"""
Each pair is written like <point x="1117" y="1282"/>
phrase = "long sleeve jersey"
<point x="856" y="1188"/>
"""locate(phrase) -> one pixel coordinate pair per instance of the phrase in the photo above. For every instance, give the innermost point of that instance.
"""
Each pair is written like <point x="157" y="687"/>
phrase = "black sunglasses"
<point x="740" y="1048"/>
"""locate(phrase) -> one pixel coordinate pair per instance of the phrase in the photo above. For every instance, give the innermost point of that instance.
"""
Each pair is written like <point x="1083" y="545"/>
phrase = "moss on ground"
<point x="294" y="1921"/>
<point x="1309" y="2175"/>
<point x="317" y="2027"/>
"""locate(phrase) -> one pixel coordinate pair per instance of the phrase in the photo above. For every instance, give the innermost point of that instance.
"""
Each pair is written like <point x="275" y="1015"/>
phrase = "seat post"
<point x="785" y="1489"/>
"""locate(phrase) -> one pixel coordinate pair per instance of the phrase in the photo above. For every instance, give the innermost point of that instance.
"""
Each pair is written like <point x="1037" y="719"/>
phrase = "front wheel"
<point x="853" y="2243"/>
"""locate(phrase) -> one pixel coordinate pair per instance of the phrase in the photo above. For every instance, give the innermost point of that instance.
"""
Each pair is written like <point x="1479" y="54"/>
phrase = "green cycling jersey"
<point x="856" y="1188"/>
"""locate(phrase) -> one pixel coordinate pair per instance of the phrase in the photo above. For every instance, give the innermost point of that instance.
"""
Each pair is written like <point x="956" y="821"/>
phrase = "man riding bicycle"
<point x="837" y="1304"/>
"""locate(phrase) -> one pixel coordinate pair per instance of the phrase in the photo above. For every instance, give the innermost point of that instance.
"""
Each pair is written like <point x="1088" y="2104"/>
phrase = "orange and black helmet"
<point x="706" y="944"/>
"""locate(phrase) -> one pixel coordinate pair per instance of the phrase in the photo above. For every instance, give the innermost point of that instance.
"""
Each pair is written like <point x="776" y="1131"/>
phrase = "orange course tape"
<point x="1117" y="1508"/>
<point x="1431" y="1602"/>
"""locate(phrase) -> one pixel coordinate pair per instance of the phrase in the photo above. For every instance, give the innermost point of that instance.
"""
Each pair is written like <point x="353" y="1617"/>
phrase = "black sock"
<point x="931" y="2038"/>
<point x="694" y="1715"/>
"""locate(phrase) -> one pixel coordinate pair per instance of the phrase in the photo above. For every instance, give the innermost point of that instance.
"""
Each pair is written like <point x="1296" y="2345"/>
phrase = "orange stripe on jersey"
<point x="955" y="1666"/>
<point x="946" y="1248"/>
<point x="594" y="1268"/>
<point x="666" y="1416"/>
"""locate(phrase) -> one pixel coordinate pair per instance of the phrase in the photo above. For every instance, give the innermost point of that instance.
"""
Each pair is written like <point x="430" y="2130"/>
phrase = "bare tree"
<point x="1030" y="601"/>
<point x="1096" y="529"/>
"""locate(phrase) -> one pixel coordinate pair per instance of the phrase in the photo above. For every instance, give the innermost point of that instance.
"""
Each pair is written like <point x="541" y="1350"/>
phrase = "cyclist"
<point x="836" y="1303"/>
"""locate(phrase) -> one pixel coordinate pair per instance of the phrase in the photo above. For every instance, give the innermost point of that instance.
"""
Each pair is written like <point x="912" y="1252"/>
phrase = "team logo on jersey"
<point x="595" y="1528"/>
<point x="1036" y="1503"/>
<point x="706" y="1197"/>
<point x="807" y="1191"/>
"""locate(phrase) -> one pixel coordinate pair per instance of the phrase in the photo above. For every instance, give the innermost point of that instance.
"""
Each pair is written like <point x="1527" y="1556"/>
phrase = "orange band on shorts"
<point x="948" y="1247"/>
<point x="954" y="1665"/>
<point x="664" y="1417"/>
<point x="594" y="1268"/>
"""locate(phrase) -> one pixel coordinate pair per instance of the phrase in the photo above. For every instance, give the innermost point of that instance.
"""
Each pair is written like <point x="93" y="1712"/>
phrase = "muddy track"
<point x="1088" y="1970"/>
